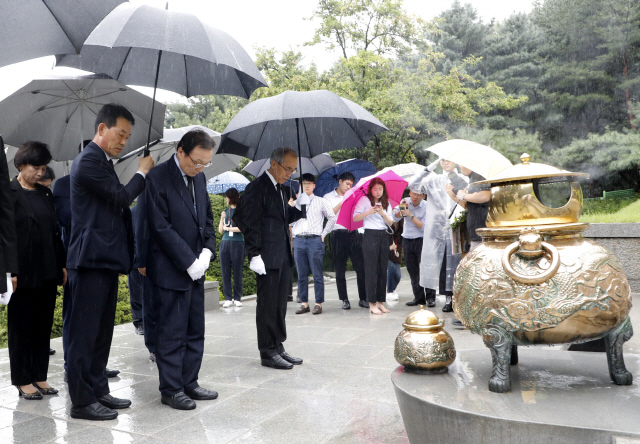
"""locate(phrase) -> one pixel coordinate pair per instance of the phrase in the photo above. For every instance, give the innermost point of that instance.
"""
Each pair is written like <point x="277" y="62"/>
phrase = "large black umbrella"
<point x="138" y="44"/>
<point x="311" y="122"/>
<point x="37" y="28"/>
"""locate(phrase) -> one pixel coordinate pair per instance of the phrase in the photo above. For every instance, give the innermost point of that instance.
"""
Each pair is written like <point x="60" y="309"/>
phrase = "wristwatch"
<point x="411" y="217"/>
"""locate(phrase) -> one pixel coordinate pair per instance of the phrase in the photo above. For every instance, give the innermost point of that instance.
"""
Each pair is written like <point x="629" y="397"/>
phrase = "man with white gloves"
<point x="182" y="241"/>
<point x="263" y="215"/>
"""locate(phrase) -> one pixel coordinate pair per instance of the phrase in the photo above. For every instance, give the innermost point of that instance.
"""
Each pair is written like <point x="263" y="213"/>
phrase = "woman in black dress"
<point x="41" y="268"/>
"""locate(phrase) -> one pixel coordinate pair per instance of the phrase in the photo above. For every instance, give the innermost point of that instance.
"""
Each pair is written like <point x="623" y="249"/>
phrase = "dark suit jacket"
<point x="101" y="228"/>
<point x="31" y="262"/>
<point x="264" y="223"/>
<point x="177" y="235"/>
<point x="140" y="232"/>
<point x="8" y="244"/>
<point x="62" y="199"/>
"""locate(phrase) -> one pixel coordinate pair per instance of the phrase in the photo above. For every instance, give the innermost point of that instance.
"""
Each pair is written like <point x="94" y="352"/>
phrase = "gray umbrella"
<point x="312" y="122"/>
<point x="61" y="111"/>
<point x="37" y="28"/>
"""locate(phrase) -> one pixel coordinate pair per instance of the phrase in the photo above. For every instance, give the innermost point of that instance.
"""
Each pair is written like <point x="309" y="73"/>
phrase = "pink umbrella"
<point x="395" y="188"/>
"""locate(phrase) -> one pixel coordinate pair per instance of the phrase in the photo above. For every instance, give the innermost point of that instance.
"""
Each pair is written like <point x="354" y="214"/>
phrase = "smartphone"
<point x="378" y="204"/>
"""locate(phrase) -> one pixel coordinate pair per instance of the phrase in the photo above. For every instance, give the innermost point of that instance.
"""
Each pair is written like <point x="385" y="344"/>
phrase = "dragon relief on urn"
<point x="536" y="280"/>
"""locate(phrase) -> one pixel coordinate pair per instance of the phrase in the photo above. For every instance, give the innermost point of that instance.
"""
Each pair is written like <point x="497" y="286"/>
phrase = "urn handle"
<point x="531" y="245"/>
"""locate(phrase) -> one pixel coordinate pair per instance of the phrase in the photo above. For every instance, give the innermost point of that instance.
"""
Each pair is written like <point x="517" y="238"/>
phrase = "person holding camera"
<point x="374" y="211"/>
<point x="414" y="210"/>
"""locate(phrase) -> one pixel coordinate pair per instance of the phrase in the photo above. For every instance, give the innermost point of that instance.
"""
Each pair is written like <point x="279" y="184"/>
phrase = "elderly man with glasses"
<point x="263" y="215"/>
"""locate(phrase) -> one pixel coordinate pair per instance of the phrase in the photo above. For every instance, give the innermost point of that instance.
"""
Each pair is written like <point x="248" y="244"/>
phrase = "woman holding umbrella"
<point x="374" y="211"/>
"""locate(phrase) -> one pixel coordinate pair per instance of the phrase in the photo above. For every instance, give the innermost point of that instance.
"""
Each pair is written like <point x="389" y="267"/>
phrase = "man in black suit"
<point x="182" y="241"/>
<point x="264" y="217"/>
<point x="100" y="248"/>
<point x="8" y="241"/>
<point x="136" y="280"/>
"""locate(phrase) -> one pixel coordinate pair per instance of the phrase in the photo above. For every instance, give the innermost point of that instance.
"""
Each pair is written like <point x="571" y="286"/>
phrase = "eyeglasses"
<point x="288" y="170"/>
<point x="199" y="165"/>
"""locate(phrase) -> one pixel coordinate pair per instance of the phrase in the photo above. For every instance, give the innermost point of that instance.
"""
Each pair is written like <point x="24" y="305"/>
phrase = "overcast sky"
<point x="275" y="23"/>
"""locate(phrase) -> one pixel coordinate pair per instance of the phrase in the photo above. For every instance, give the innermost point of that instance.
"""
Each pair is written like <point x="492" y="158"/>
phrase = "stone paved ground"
<point x="341" y="394"/>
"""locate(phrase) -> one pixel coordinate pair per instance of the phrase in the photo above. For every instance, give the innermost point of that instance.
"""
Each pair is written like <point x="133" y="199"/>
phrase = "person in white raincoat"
<point x="438" y="264"/>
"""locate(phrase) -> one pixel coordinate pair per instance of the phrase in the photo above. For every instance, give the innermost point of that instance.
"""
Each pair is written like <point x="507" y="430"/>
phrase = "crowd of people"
<point x="85" y="233"/>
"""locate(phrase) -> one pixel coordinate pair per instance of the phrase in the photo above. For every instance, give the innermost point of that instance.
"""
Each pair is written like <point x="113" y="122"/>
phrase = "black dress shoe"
<point x="113" y="402"/>
<point x="111" y="373"/>
<point x="139" y="330"/>
<point x="362" y="303"/>
<point x="457" y="323"/>
<point x="46" y="391"/>
<point x="287" y="357"/>
<point x="179" y="401"/>
<point x="431" y="302"/>
<point x="447" y="307"/>
<point x="277" y="362"/>
<point x="30" y="396"/>
<point x="290" y="298"/>
<point x="346" y="305"/>
<point x="415" y="302"/>
<point x="303" y="310"/>
<point x="93" y="412"/>
<point x="201" y="394"/>
<point x="52" y="352"/>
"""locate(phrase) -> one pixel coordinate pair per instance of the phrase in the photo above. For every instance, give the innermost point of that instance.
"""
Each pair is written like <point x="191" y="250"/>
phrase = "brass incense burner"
<point x="423" y="346"/>
<point x="536" y="280"/>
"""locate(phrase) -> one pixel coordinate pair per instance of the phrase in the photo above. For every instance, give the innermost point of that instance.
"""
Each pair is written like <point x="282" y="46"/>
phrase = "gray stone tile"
<point x="10" y="417"/>
<point x="384" y="359"/>
<point x="248" y="375"/>
<point x="44" y="407"/>
<point x="308" y="350"/>
<point x="365" y="383"/>
<point x="347" y="355"/>
<point x="379" y="423"/>
<point x="212" y="363"/>
<point x="305" y="378"/>
<point x="38" y="430"/>
<point x="99" y="435"/>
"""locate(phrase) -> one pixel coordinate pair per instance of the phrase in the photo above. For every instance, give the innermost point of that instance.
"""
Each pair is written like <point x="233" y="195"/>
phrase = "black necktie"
<point x="111" y="163"/>
<point x="279" y="188"/>
<point x="190" y="187"/>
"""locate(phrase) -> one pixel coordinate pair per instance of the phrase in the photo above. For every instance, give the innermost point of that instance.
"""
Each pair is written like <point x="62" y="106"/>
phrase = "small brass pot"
<point x="423" y="346"/>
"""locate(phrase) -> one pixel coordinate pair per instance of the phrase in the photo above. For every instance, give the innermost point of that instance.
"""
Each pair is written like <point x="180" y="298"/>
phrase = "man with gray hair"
<point x="263" y="216"/>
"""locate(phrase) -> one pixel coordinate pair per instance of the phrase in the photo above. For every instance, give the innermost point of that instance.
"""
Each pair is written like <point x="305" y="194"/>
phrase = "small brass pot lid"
<point x="423" y="320"/>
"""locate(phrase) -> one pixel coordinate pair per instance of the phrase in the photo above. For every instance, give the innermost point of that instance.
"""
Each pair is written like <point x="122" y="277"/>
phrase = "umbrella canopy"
<point x="37" y="28"/>
<point x="192" y="57"/>
<point x="405" y="170"/>
<point x="328" y="180"/>
<point x="311" y="122"/>
<point x="166" y="147"/>
<point x="478" y="158"/>
<point x="59" y="168"/>
<point x="395" y="188"/>
<point x="222" y="182"/>
<point x="61" y="112"/>
<point x="316" y="165"/>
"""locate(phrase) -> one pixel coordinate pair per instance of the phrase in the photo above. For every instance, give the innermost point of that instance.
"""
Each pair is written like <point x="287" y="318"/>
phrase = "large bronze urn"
<point x="535" y="279"/>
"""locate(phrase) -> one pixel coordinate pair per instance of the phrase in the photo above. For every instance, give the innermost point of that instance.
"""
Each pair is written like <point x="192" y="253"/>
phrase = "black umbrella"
<point x="37" y="28"/>
<point x="315" y="122"/>
<point x="138" y="44"/>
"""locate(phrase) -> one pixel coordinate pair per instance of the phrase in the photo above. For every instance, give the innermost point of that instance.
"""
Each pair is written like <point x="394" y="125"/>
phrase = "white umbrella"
<point x="166" y="147"/>
<point x="478" y="158"/>
<point x="404" y="170"/>
<point x="315" y="165"/>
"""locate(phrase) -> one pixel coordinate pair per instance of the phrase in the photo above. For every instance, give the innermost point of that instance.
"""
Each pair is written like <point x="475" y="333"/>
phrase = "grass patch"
<point x="619" y="211"/>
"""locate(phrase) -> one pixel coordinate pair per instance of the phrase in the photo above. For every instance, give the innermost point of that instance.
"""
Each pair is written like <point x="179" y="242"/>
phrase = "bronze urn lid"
<point x="527" y="171"/>
<point x="423" y="320"/>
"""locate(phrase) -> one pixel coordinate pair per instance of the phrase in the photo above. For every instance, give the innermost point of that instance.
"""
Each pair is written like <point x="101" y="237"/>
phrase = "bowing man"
<point x="100" y="248"/>
<point x="263" y="216"/>
<point x="182" y="241"/>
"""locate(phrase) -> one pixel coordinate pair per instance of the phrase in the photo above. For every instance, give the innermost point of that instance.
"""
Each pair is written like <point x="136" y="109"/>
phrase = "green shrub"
<point x="605" y="206"/>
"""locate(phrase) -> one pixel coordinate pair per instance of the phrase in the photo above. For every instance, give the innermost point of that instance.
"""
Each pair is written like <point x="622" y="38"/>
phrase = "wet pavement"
<point x="341" y="394"/>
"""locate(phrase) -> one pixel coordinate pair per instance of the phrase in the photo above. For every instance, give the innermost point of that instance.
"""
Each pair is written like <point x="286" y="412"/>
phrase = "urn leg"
<point x="514" y="354"/>
<point x="500" y="344"/>
<point x="614" y="341"/>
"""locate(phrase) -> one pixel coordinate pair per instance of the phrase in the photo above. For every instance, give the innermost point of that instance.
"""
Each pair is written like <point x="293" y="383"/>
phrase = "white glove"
<point x="303" y="199"/>
<point x="5" y="297"/>
<point x="196" y="270"/>
<point x="257" y="265"/>
<point x="433" y="165"/>
<point x="205" y="258"/>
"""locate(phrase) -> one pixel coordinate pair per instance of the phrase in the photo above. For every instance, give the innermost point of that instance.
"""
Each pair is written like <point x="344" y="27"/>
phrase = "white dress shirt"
<point x="144" y="176"/>
<point x="186" y="182"/>
<point x="372" y="221"/>
<point x="334" y="199"/>
<point x="317" y="210"/>
<point x="275" y="184"/>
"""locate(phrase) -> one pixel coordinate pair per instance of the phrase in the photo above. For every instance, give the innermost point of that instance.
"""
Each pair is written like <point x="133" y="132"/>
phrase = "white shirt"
<point x="275" y="184"/>
<point x="372" y="221"/>
<point x="144" y="176"/>
<point x="318" y="209"/>
<point x="334" y="199"/>
<point x="410" y="231"/>
<point x="186" y="182"/>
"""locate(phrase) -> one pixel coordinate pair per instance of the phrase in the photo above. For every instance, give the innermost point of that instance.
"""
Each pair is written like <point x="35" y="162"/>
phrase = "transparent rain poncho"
<point x="437" y="234"/>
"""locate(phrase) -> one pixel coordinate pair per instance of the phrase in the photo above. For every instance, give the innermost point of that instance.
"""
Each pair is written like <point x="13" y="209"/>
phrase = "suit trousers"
<point x="271" y="309"/>
<point x="66" y="309"/>
<point x="345" y="245"/>
<point x="135" y="296"/>
<point x="412" y="254"/>
<point x="309" y="255"/>
<point x="231" y="258"/>
<point x="375" y="248"/>
<point x="179" y="337"/>
<point x="148" y="315"/>
<point x="94" y="293"/>
<point x="29" y="318"/>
